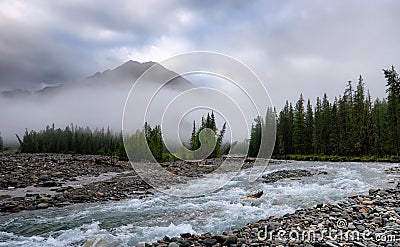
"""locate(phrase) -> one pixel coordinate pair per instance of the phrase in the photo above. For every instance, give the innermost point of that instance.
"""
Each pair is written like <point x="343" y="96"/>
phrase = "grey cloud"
<point x="68" y="40"/>
<point x="295" y="46"/>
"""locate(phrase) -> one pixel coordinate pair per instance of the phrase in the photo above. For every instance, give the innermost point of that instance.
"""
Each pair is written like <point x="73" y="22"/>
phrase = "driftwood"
<point x="256" y="195"/>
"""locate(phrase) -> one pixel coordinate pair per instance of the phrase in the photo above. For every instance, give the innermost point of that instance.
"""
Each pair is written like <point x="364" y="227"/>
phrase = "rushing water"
<point x="131" y="222"/>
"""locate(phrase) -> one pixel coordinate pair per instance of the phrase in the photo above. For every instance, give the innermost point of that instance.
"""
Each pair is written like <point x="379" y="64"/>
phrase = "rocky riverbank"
<point x="39" y="181"/>
<point x="360" y="220"/>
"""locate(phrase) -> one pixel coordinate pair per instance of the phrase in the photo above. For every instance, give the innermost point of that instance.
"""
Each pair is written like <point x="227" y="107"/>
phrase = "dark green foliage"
<point x="299" y="127"/>
<point x="1" y="143"/>
<point x="309" y="129"/>
<point x="285" y="130"/>
<point x="210" y="138"/>
<point x="262" y="136"/>
<point x="72" y="139"/>
<point x="349" y="126"/>
<point x="255" y="138"/>
<point x="393" y="90"/>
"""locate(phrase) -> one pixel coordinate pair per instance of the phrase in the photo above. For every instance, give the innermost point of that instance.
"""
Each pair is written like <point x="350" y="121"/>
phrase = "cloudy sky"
<point x="294" y="46"/>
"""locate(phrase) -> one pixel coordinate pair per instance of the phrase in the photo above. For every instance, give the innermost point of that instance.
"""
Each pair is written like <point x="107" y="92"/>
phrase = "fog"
<point x="98" y="102"/>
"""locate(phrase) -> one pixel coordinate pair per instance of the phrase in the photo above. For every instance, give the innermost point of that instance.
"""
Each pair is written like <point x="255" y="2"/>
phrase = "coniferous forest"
<point x="78" y="140"/>
<point x="351" y="125"/>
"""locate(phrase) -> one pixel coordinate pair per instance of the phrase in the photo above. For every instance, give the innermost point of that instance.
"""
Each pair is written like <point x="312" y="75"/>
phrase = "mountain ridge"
<point x="126" y="73"/>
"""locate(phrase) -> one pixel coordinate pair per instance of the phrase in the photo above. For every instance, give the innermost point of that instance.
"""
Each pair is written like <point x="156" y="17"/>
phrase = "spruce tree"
<point x="1" y="143"/>
<point x="309" y="129"/>
<point x="299" y="127"/>
<point x="393" y="90"/>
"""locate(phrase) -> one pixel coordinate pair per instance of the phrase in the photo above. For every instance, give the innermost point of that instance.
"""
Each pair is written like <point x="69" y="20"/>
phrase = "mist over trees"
<point x="72" y="139"/>
<point x="78" y="140"/>
<point x="210" y="139"/>
<point x="349" y="125"/>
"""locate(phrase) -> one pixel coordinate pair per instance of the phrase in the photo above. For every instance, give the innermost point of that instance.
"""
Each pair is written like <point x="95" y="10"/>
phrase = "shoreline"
<point x="380" y="209"/>
<point x="359" y="220"/>
<point x="333" y="158"/>
<point x="39" y="181"/>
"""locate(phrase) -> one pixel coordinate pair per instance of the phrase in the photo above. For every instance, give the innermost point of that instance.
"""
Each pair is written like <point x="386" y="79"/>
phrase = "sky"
<point x="308" y="47"/>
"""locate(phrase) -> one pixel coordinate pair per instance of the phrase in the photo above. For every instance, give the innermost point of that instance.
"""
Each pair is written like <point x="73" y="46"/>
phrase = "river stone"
<point x="351" y="227"/>
<point x="42" y="205"/>
<point x="186" y="235"/>
<point x="2" y="197"/>
<point x="360" y="228"/>
<point x="173" y="244"/>
<point x="209" y="241"/>
<point x="230" y="241"/>
<point x="184" y="243"/>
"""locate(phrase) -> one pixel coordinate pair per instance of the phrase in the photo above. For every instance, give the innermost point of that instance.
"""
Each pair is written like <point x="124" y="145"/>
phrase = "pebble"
<point x="361" y="214"/>
<point x="42" y="205"/>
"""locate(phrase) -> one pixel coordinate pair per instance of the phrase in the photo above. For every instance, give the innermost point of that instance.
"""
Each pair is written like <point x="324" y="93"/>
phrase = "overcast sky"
<point x="294" y="46"/>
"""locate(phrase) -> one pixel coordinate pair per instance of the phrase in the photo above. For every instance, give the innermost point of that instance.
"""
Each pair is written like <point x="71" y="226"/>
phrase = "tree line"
<point x="350" y="125"/>
<point x="72" y="139"/>
<point x="78" y="140"/>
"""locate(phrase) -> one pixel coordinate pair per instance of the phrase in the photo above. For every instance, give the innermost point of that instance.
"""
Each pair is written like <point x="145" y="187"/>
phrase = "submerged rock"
<point x="289" y="174"/>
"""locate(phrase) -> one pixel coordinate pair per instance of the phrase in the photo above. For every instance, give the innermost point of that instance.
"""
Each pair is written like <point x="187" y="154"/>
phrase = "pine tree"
<point x="393" y="90"/>
<point x="359" y="119"/>
<point x="380" y="125"/>
<point x="317" y="136"/>
<point x="1" y="143"/>
<point x="326" y="125"/>
<point x="193" y="139"/>
<point x="334" y="140"/>
<point x="299" y="127"/>
<point x="309" y="129"/>
<point x="255" y="138"/>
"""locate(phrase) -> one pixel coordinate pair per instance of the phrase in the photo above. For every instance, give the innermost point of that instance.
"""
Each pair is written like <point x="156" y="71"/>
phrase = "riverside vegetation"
<point x="350" y="128"/>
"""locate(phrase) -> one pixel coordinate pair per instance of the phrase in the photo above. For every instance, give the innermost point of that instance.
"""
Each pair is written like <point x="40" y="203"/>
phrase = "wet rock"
<point x="2" y="197"/>
<point x="209" y="241"/>
<point x="284" y="174"/>
<point x="42" y="205"/>
<point x="186" y="235"/>
<point x="49" y="183"/>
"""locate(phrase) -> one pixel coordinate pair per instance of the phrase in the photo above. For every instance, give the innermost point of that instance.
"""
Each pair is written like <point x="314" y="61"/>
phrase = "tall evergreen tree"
<point x="194" y="142"/>
<point x="299" y="127"/>
<point x="255" y="137"/>
<point x="393" y="90"/>
<point x="380" y="125"/>
<point x="1" y="143"/>
<point x="309" y="129"/>
<point x="326" y="125"/>
<point x="359" y="115"/>
<point x="317" y="137"/>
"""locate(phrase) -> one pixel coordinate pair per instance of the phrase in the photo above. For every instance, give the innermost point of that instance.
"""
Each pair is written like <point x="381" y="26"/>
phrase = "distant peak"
<point x="130" y="62"/>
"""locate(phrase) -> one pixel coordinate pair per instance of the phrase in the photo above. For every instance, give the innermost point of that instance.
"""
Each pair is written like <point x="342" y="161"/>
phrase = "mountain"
<point x="15" y="93"/>
<point x="96" y="101"/>
<point x="123" y="75"/>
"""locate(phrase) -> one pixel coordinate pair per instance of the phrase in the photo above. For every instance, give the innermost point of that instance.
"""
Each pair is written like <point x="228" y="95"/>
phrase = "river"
<point x="135" y="221"/>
